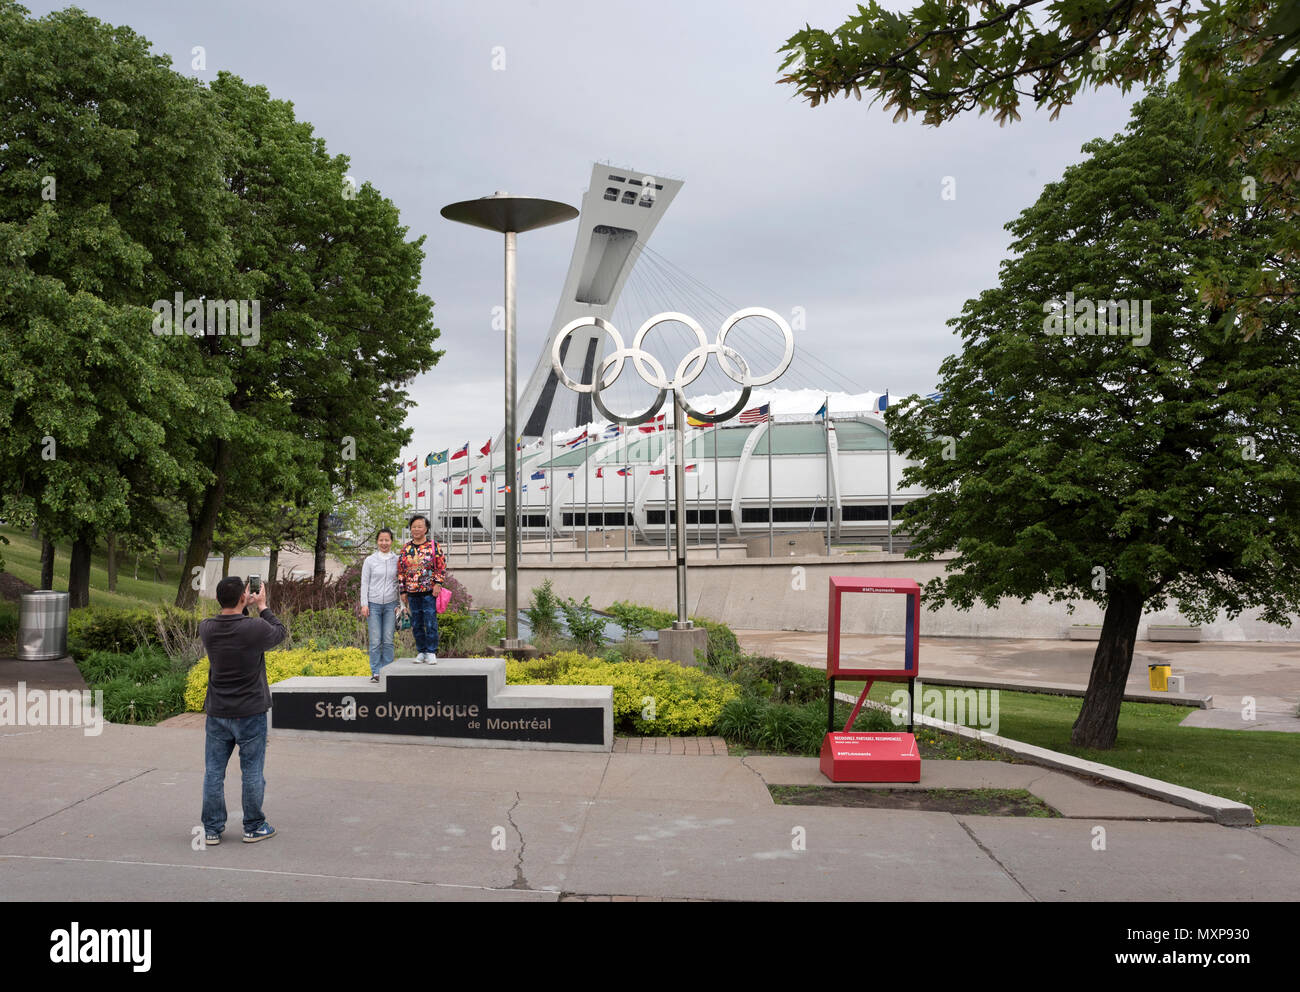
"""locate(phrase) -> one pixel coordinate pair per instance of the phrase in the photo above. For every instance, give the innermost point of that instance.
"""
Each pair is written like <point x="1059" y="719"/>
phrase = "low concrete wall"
<point x="787" y="545"/>
<point x="791" y="594"/>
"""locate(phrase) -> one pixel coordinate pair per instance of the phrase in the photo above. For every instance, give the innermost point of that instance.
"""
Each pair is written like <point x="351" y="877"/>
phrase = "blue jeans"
<point x="223" y="733"/>
<point x="424" y="621"/>
<point x="381" y="624"/>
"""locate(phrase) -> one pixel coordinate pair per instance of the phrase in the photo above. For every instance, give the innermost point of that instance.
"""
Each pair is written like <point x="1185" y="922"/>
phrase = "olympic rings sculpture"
<point x="688" y="370"/>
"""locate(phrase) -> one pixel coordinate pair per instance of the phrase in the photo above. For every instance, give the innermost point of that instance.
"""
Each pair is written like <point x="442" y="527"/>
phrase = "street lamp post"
<point x="510" y="215"/>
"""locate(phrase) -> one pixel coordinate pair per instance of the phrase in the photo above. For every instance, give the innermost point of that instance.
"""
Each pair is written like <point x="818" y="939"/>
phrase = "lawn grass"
<point x="22" y="557"/>
<point x="1253" y="767"/>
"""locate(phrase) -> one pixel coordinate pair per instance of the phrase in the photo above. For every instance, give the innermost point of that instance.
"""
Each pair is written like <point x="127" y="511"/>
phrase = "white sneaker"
<point x="419" y="658"/>
<point x="431" y="658"/>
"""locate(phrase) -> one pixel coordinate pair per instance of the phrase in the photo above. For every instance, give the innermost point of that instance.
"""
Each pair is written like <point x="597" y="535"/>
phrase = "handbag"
<point x="444" y="599"/>
<point x="403" y="619"/>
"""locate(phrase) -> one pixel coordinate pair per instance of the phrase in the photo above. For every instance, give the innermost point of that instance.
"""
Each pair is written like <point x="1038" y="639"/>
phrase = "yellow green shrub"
<point x="281" y="665"/>
<point x="685" y="700"/>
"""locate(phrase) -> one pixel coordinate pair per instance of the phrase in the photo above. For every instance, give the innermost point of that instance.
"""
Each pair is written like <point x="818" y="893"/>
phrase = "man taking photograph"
<point x="237" y="703"/>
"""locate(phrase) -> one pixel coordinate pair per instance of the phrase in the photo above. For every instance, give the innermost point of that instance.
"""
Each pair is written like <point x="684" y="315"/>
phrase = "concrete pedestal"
<point x="680" y="645"/>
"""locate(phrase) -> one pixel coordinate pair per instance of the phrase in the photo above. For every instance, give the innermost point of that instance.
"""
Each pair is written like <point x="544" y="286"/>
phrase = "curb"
<point x="1224" y="811"/>
<point x="1066" y="689"/>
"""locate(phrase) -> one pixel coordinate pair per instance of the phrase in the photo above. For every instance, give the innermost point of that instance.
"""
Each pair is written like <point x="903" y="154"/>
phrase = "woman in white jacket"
<point x="379" y="601"/>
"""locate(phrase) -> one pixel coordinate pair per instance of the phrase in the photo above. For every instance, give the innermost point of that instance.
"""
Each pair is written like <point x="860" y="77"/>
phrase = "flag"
<point x="538" y="475"/>
<point x="413" y="464"/>
<point x="519" y="443"/>
<point x="406" y="495"/>
<point x="482" y="478"/>
<point x="457" y="492"/>
<point x="437" y="458"/>
<point x="461" y="452"/>
<point x="446" y="479"/>
<point x="420" y="493"/>
<point x="478" y="491"/>
<point x="654" y="425"/>
<point x="397" y="469"/>
<point x="543" y="487"/>
<point x="503" y="489"/>
<point x="570" y="475"/>
<point x="693" y="422"/>
<point x="656" y="471"/>
<point x="690" y="468"/>
<point x="580" y="439"/>
<point x="882" y="401"/>
<point x="756" y="414"/>
<point x="487" y="448"/>
<point x="624" y="471"/>
<point x="600" y="473"/>
<point x="821" y="411"/>
<point x="612" y="431"/>
<point x="935" y="396"/>
<point x="463" y="481"/>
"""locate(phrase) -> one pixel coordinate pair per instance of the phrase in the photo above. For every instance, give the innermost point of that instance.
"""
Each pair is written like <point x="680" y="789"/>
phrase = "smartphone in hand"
<point x="254" y="584"/>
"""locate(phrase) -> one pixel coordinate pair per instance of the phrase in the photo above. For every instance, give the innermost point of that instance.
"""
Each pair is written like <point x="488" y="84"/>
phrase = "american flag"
<point x="756" y="414"/>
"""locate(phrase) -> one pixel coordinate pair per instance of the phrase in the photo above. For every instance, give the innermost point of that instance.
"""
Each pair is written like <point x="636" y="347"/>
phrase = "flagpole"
<point x="491" y="490"/>
<point x="550" y="495"/>
<point x="889" y="483"/>
<point x="826" y="429"/>
<point x="626" y="470"/>
<point x="468" y="488"/>
<point x="601" y="470"/>
<point x="668" y="531"/>
<point x="771" y="423"/>
<point x="586" y="501"/>
<point x="717" y="495"/>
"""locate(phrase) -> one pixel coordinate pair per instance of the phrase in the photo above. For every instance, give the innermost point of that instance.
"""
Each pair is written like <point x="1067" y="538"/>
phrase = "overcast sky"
<point x="835" y="210"/>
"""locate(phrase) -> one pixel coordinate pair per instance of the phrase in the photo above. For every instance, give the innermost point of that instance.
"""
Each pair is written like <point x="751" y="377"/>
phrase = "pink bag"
<point x="444" y="598"/>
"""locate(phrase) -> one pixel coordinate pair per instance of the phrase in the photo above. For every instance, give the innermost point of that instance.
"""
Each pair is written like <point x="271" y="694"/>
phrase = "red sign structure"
<point x="870" y="757"/>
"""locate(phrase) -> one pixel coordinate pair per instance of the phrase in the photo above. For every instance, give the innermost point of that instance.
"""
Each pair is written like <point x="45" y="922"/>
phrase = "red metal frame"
<point x="841" y="584"/>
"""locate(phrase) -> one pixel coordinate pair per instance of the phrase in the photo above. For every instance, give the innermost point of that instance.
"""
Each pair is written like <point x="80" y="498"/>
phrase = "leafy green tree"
<point x="342" y="324"/>
<point x="1137" y="469"/>
<point x="109" y="194"/>
<point x="1240" y="64"/>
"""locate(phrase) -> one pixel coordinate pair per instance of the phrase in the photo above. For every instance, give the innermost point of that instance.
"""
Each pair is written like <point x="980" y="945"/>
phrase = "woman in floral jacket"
<point x="421" y="569"/>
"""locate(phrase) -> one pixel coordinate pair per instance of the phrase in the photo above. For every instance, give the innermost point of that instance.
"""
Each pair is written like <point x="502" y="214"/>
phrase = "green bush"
<point x="723" y="646"/>
<point x="469" y="635"/>
<point x="586" y="626"/>
<point x="143" y="686"/>
<point x="798" y="729"/>
<point x="544" y="614"/>
<point x="777" y="680"/>
<point x="144" y="664"/>
<point x="336" y="627"/>
<point x="8" y="621"/>
<point x="114" y="629"/>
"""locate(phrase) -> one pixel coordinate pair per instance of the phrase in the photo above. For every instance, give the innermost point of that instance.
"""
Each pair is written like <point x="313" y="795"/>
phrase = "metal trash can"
<point x="42" y="625"/>
<point x="1158" y="674"/>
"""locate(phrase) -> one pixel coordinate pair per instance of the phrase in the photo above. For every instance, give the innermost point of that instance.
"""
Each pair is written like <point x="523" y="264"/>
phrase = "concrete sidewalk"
<point x="111" y="818"/>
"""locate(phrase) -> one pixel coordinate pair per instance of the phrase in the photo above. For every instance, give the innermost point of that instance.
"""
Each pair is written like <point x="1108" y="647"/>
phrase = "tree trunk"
<point x="112" y="563"/>
<point x="322" y="539"/>
<point x="201" y="529"/>
<point x="79" y="574"/>
<point x="272" y="569"/>
<point x="158" y="574"/>
<point x="36" y="532"/>
<point x="180" y="557"/>
<point x="225" y="564"/>
<point x="1098" y="720"/>
<point x="47" y="563"/>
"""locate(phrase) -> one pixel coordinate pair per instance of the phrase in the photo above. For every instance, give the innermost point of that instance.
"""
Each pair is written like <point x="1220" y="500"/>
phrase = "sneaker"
<point x="419" y="658"/>
<point x="374" y="678"/>
<point x="261" y="833"/>
<point x="211" y="838"/>
<point x="431" y="658"/>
